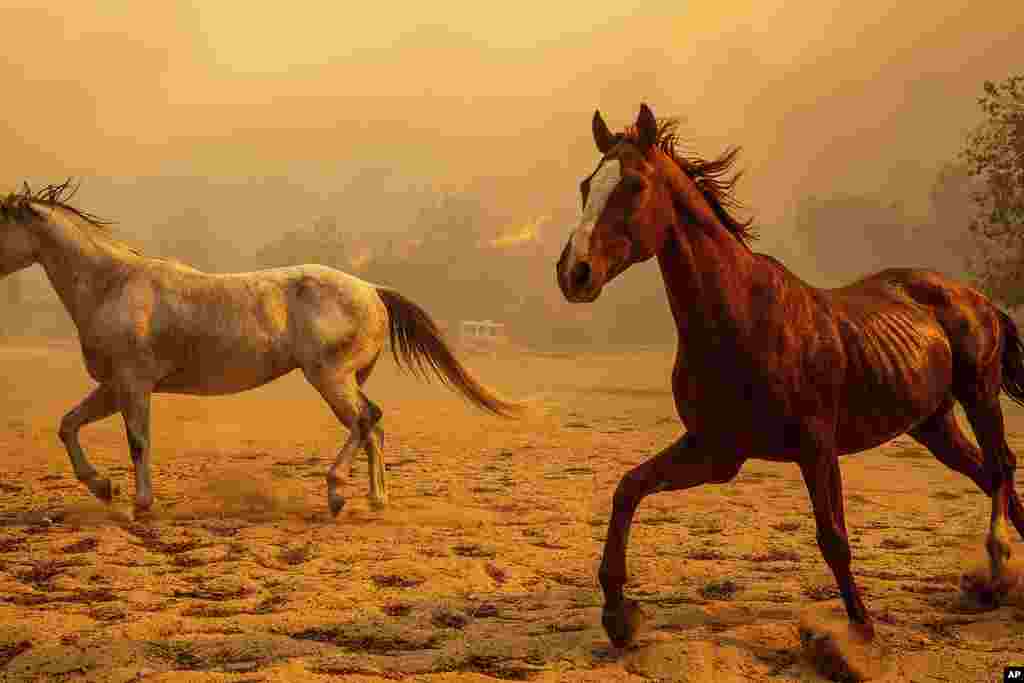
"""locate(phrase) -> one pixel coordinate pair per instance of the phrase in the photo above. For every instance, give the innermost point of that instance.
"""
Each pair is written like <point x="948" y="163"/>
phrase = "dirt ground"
<point x="483" y="567"/>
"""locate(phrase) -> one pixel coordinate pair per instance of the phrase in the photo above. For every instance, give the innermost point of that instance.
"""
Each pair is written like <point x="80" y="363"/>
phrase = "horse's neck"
<point x="703" y="281"/>
<point x="77" y="265"/>
<point x="707" y="271"/>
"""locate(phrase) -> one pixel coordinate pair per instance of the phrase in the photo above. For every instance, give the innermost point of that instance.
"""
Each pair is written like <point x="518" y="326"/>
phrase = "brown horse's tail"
<point x="1013" y="359"/>
<point x="418" y="346"/>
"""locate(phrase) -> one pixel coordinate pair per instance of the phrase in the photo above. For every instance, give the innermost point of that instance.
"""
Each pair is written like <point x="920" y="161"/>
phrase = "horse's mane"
<point x="712" y="176"/>
<point x="57" y="196"/>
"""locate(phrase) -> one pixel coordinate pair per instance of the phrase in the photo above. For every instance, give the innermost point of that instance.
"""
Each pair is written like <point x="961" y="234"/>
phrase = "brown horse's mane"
<point x="58" y="196"/>
<point x="712" y="176"/>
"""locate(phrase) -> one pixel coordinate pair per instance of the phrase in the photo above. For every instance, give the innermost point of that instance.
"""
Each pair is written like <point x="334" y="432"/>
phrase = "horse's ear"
<point x="603" y="137"/>
<point x="646" y="128"/>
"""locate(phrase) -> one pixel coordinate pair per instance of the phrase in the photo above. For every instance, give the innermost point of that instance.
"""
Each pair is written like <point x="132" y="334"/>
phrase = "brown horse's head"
<point x="625" y="213"/>
<point x="641" y="188"/>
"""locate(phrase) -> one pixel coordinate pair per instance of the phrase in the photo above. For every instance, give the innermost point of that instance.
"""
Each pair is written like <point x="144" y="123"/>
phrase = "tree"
<point x="951" y="195"/>
<point x="994" y="154"/>
<point x="189" y="237"/>
<point x="944" y="242"/>
<point x="849" y="236"/>
<point x="451" y="227"/>
<point x="441" y="258"/>
<point x="322" y="243"/>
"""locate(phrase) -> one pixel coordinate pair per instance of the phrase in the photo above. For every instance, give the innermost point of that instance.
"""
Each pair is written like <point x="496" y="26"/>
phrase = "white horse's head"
<point x="19" y="241"/>
<point x="24" y="219"/>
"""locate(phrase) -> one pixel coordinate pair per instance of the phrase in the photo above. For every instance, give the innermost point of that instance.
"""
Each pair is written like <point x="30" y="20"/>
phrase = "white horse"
<point x="152" y="325"/>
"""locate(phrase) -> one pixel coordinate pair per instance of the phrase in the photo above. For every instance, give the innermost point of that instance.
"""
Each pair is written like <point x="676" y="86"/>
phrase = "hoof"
<point x="335" y="503"/>
<point x="103" y="489"/>
<point x="622" y="623"/>
<point x="143" y="513"/>
<point x="378" y="503"/>
<point x="843" y="651"/>
<point x="979" y="588"/>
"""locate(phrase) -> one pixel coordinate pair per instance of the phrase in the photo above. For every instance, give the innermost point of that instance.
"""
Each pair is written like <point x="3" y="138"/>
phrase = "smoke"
<point x="264" y="117"/>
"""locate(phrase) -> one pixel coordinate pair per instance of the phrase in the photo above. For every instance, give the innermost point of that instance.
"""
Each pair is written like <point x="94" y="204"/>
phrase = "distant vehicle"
<point x="482" y="335"/>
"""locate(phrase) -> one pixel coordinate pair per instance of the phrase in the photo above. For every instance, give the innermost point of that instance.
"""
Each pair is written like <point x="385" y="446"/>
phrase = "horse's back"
<point x="962" y="312"/>
<point x="311" y="288"/>
<point x="226" y="332"/>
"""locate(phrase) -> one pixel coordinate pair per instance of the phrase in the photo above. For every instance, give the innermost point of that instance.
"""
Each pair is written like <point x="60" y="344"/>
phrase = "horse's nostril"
<point x="580" y="274"/>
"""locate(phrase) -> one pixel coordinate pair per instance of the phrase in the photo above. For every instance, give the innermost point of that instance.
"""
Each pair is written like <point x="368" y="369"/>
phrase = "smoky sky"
<point x="823" y="97"/>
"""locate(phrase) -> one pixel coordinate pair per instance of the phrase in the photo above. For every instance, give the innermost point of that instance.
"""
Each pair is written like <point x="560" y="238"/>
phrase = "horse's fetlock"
<point x="373" y="414"/>
<point x="137" y="446"/>
<point x="86" y="475"/>
<point x="66" y="431"/>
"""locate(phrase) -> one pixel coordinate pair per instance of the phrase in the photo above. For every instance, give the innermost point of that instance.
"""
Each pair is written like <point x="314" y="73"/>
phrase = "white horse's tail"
<point x="418" y="345"/>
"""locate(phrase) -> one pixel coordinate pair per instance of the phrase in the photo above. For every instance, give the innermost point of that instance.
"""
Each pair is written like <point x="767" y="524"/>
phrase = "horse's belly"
<point x="884" y="401"/>
<point x="857" y="438"/>
<point x="214" y="386"/>
<point x="220" y="374"/>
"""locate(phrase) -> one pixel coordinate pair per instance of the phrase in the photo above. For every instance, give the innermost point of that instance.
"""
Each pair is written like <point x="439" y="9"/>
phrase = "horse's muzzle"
<point x="575" y="282"/>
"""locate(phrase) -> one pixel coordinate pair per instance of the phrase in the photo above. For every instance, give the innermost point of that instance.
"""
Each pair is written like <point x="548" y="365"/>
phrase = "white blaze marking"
<point x="601" y="186"/>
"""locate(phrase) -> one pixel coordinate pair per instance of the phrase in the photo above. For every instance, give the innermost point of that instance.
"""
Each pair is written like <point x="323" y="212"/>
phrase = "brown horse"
<point x="769" y="367"/>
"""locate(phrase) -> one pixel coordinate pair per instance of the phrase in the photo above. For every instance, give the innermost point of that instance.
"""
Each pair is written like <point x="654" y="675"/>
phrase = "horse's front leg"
<point x="134" y="403"/>
<point x="101" y="403"/>
<point x="682" y="465"/>
<point x="820" y="470"/>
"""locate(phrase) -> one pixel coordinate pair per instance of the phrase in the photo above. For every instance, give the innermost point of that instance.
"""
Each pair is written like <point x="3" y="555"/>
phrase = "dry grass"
<point x="485" y="564"/>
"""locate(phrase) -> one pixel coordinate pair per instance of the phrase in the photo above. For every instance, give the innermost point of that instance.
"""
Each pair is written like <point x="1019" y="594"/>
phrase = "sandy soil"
<point x="485" y="564"/>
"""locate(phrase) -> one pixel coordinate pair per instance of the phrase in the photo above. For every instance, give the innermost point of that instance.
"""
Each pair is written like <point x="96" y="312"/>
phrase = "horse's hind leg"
<point x="101" y="403"/>
<point x="372" y="444"/>
<point x="941" y="435"/>
<point x="341" y="392"/>
<point x="135" y="404"/>
<point x="377" y="444"/>
<point x="986" y="417"/>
